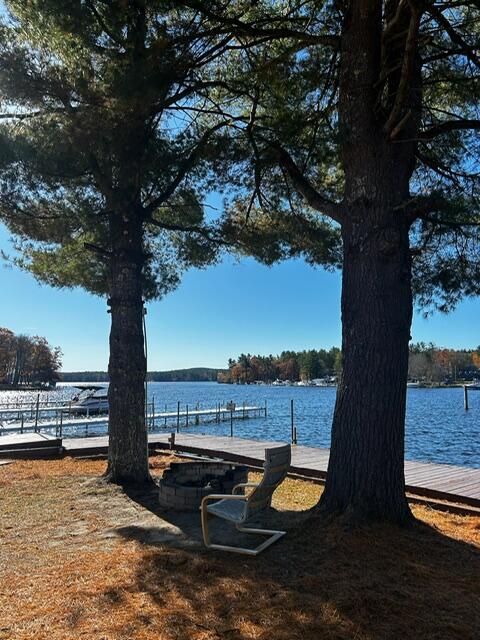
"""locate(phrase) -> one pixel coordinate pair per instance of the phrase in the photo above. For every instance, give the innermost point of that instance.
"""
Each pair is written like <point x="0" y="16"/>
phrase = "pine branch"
<point x="197" y="88"/>
<point x="103" y="26"/>
<point x="392" y="124"/>
<point x="455" y="37"/>
<point x="313" y="197"/>
<point x="452" y="224"/>
<point x="100" y="251"/>
<point x="419" y="206"/>
<point x="185" y="167"/>
<point x="202" y="231"/>
<point x="30" y="114"/>
<point x="252" y="28"/>
<point x="447" y="126"/>
<point x="444" y="171"/>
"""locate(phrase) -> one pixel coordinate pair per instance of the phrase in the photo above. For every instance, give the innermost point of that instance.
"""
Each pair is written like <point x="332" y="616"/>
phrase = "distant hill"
<point x="195" y="374"/>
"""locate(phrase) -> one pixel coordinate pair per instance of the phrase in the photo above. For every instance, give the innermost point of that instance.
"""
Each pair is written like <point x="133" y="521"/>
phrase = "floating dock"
<point x="180" y="418"/>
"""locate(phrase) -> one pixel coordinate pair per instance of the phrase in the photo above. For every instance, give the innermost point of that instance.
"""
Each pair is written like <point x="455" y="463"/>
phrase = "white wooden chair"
<point x="238" y="508"/>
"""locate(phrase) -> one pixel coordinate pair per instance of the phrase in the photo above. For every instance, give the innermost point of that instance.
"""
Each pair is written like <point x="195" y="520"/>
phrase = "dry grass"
<point x="73" y="565"/>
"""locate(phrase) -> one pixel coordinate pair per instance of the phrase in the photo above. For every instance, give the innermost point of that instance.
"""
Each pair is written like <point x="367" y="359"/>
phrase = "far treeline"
<point x="195" y="374"/>
<point x="427" y="363"/>
<point x="289" y="365"/>
<point x="27" y="360"/>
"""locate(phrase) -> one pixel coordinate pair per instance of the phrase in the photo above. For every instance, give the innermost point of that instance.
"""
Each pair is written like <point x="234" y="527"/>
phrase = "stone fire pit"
<point x="184" y="484"/>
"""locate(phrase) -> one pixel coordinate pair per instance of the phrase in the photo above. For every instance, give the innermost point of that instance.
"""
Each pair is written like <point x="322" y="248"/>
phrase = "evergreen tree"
<point x="105" y="163"/>
<point x="370" y="124"/>
<point x="113" y="131"/>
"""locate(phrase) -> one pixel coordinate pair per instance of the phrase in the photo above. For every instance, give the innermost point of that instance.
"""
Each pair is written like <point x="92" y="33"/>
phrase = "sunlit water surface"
<point x="438" y="429"/>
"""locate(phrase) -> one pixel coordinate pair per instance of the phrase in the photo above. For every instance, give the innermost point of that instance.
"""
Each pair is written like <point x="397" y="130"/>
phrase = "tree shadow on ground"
<point x="183" y="528"/>
<point x="320" y="581"/>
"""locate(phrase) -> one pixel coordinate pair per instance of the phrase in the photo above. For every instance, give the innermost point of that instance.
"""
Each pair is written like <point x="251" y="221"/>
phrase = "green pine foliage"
<point x="93" y="126"/>
<point x="292" y="141"/>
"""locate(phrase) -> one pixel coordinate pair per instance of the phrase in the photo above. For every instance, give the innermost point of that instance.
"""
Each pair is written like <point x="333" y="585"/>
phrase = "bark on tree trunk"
<point x="128" y="445"/>
<point x="365" y="474"/>
<point x="366" y="470"/>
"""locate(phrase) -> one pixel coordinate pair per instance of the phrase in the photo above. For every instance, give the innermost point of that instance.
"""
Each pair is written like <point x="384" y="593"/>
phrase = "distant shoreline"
<point x="193" y="374"/>
<point x="21" y="387"/>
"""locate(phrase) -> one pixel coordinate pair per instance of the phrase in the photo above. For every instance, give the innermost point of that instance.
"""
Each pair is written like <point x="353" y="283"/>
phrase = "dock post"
<point x="231" y="421"/>
<point x="197" y="417"/>
<point x="465" y="397"/>
<point x="153" y="412"/>
<point x="265" y="408"/>
<point x="36" y="412"/>
<point x="244" y="410"/>
<point x="21" y="428"/>
<point x="186" y="416"/>
<point x="165" y="415"/>
<point x="61" y="424"/>
<point x="294" y="430"/>
<point x="178" y="416"/>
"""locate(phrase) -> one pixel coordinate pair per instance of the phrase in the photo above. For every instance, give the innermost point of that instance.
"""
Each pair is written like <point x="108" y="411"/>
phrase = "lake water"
<point x="438" y="429"/>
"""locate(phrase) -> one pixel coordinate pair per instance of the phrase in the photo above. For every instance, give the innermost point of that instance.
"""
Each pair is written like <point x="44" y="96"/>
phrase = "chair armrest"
<point x="244" y="485"/>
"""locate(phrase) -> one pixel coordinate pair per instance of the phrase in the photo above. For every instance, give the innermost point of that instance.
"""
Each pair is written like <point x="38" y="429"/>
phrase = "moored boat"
<point x="92" y="399"/>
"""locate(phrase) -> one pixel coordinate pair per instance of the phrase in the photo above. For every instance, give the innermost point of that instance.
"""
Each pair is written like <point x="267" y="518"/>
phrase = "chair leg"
<point x="205" y="531"/>
<point x="273" y="536"/>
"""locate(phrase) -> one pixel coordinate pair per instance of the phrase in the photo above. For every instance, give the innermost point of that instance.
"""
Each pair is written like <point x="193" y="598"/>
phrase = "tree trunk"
<point x="366" y="470"/>
<point x="365" y="478"/>
<point x="128" y="446"/>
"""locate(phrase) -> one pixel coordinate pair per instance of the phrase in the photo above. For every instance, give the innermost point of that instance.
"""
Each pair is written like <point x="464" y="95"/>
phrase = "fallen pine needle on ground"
<point x="82" y="559"/>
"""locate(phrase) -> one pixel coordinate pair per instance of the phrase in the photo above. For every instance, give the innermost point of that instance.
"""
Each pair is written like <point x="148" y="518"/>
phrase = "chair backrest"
<point x="275" y="469"/>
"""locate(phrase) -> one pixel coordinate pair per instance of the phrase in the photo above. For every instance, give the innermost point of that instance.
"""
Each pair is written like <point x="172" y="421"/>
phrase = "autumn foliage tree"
<point x="289" y="365"/>
<point x="27" y="360"/>
<point x="430" y="364"/>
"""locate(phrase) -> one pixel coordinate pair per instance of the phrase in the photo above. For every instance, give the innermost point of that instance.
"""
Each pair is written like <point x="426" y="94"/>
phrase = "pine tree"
<point x="369" y="123"/>
<point x="105" y="162"/>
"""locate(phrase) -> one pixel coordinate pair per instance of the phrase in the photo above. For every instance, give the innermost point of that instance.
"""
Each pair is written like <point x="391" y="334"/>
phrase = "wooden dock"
<point x="436" y="481"/>
<point x="30" y="445"/>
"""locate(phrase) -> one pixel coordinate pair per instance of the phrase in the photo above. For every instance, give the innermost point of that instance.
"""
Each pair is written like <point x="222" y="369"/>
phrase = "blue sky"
<point x="217" y="313"/>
